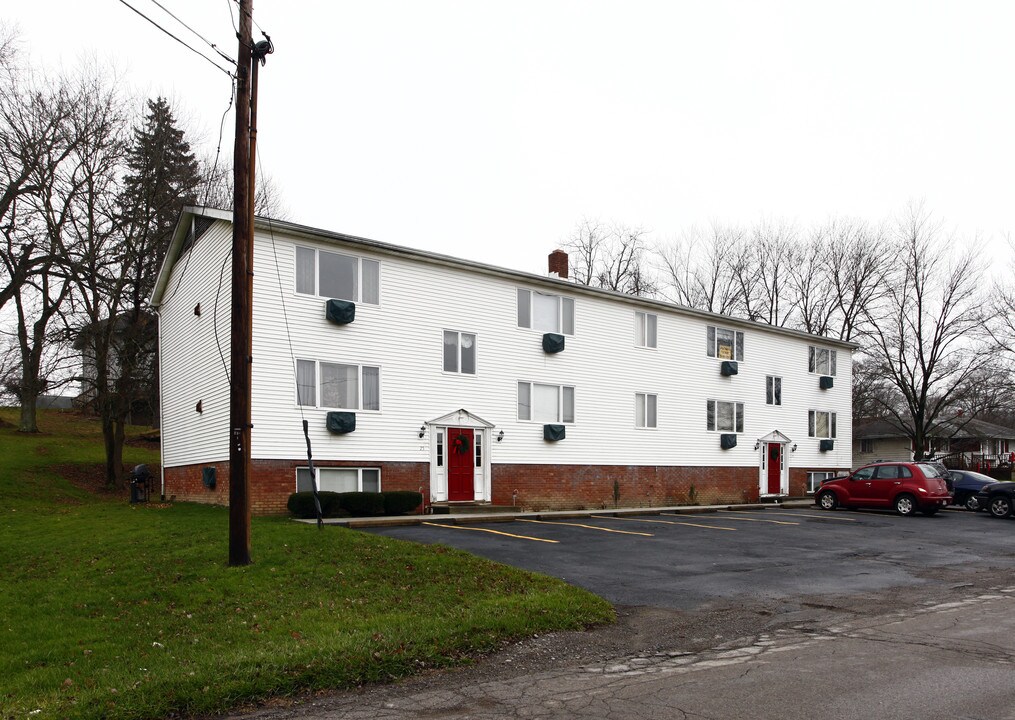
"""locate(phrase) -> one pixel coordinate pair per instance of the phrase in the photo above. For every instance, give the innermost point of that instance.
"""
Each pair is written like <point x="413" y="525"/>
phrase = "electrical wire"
<point x="215" y="316"/>
<point x="196" y="52"/>
<point x="207" y="189"/>
<point x="237" y="3"/>
<point x="208" y="42"/>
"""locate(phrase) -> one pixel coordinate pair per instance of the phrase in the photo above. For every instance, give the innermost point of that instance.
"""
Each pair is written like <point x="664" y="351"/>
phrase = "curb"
<point x="479" y="518"/>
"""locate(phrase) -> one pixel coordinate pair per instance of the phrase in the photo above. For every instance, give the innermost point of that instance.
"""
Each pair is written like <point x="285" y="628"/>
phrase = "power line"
<point x="196" y="52"/>
<point x="237" y="3"/>
<point x="208" y="42"/>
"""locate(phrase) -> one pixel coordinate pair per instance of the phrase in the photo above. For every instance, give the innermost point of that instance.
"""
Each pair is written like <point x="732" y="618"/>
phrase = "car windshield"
<point x="932" y="471"/>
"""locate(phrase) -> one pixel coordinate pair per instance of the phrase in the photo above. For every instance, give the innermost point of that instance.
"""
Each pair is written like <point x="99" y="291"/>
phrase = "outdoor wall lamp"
<point x="500" y="436"/>
<point x="757" y="444"/>
<point x="422" y="431"/>
<point x="793" y="449"/>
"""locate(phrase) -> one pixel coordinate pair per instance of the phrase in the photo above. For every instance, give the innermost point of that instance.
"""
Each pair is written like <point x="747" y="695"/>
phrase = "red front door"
<point x="461" y="464"/>
<point x="774" y="468"/>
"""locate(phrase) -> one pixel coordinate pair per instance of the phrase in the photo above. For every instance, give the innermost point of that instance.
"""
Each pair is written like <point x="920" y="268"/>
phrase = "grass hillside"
<point x="116" y="611"/>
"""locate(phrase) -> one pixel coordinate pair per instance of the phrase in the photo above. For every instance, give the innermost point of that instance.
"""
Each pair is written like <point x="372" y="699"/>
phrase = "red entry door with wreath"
<point x="774" y="468"/>
<point x="460" y="464"/>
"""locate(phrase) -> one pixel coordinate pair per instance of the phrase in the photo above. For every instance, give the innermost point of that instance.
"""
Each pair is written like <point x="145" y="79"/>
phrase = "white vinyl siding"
<point x="545" y="312"/>
<point x="336" y="275"/>
<point x="340" y="479"/>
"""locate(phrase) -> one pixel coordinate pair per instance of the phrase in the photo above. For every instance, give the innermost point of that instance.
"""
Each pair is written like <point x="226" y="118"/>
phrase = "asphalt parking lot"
<point x="685" y="562"/>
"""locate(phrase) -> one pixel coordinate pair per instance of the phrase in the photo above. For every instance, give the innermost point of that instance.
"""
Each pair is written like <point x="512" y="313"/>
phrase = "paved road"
<point x="686" y="561"/>
<point x="815" y="615"/>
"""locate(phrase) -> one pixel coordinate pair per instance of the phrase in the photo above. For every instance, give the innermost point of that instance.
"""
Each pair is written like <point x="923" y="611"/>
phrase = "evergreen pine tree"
<point x="162" y="176"/>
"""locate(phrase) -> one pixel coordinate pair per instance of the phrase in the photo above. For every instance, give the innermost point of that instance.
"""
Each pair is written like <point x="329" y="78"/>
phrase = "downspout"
<point x="162" y="448"/>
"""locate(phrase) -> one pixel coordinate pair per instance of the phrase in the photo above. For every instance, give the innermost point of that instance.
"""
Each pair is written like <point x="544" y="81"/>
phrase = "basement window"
<point x="340" y="479"/>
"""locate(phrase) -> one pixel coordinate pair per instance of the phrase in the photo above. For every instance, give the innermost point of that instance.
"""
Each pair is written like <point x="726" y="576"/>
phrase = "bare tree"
<point x="217" y="190"/>
<point x="763" y="272"/>
<point x="859" y="259"/>
<point x="923" y="344"/>
<point x="699" y="269"/>
<point x="611" y="256"/>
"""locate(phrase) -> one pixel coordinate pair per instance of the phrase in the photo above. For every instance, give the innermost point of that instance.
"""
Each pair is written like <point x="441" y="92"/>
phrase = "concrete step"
<point x="470" y="508"/>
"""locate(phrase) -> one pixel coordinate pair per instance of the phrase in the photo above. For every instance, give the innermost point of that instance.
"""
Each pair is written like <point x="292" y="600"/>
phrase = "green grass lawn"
<point x="109" y="610"/>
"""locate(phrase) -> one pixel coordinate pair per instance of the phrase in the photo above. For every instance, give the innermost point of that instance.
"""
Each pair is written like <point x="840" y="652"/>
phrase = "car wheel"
<point x="972" y="503"/>
<point x="999" y="506"/>
<point x="827" y="500"/>
<point x="905" y="505"/>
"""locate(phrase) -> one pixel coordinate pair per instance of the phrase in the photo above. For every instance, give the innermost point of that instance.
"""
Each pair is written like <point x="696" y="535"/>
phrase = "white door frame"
<point x="482" y="436"/>
<point x="763" y="442"/>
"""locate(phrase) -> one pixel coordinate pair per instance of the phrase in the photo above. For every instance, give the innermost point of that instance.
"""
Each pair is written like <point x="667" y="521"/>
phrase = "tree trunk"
<point x="27" y="423"/>
<point x="109" y="442"/>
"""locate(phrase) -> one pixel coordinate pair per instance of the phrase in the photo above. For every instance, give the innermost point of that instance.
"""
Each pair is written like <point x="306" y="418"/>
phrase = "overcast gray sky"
<point x="486" y="130"/>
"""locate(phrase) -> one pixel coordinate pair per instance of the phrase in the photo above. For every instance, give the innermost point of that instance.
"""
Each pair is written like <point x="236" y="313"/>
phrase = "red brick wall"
<point x="273" y="481"/>
<point x="592" y="486"/>
<point x="538" y="486"/>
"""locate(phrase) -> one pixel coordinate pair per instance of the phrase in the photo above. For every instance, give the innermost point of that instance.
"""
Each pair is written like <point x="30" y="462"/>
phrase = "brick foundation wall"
<point x="273" y="481"/>
<point x="593" y="486"/>
<point x="538" y="487"/>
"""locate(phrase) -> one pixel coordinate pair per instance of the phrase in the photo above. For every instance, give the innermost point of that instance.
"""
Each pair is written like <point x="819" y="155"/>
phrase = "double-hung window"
<point x="820" y="361"/>
<point x="547" y="313"/>
<point x="545" y="403"/>
<point x="645" y="325"/>
<point x="459" y="352"/>
<point x="335" y="385"/>
<point x="727" y="417"/>
<point x="340" y="479"/>
<point x="724" y="343"/>
<point x="820" y="424"/>
<point x="645" y="410"/>
<point x="773" y="390"/>
<point x="336" y="275"/>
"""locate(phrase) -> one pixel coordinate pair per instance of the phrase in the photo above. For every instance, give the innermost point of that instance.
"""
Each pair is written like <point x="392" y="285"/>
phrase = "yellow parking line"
<point x="665" y="522"/>
<point x="829" y="516"/>
<point x="487" y="530"/>
<point x="589" y="527"/>
<point x="743" y="519"/>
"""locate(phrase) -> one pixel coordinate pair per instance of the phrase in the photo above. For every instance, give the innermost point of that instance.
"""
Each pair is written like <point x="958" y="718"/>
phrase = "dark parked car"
<point x="998" y="498"/>
<point x="965" y="485"/>
<point x="904" y="487"/>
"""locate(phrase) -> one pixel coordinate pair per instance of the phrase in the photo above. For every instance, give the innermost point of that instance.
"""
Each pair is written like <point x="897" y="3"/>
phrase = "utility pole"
<point x="242" y="304"/>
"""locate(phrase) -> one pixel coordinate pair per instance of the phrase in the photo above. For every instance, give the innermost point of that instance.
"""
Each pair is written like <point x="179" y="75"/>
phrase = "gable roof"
<point x="268" y="225"/>
<point x="956" y="428"/>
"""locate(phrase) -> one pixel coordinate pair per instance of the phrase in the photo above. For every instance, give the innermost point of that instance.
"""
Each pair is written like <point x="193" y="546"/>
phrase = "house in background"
<point x="479" y="384"/>
<point x="960" y="443"/>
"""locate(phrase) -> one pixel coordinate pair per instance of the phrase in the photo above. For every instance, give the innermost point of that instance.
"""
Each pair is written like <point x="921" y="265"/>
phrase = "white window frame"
<point x="475" y="346"/>
<point x="565" y="311"/>
<point x="317" y="274"/>
<point x="773" y="390"/>
<point x="359" y="476"/>
<point x="562" y="396"/>
<point x="712" y="343"/>
<point x="812" y="424"/>
<point x="814" y="354"/>
<point x="646" y="330"/>
<point x="359" y="386"/>
<point x="642" y="404"/>
<point x="712" y="408"/>
<point x="815" y="477"/>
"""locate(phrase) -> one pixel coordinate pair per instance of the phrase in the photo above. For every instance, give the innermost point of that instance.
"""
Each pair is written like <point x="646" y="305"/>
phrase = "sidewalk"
<point x="474" y="518"/>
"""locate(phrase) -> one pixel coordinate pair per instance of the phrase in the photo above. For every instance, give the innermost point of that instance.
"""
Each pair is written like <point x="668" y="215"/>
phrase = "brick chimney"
<point x="558" y="264"/>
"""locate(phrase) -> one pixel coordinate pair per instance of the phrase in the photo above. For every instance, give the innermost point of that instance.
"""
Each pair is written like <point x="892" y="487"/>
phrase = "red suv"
<point x="905" y="487"/>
